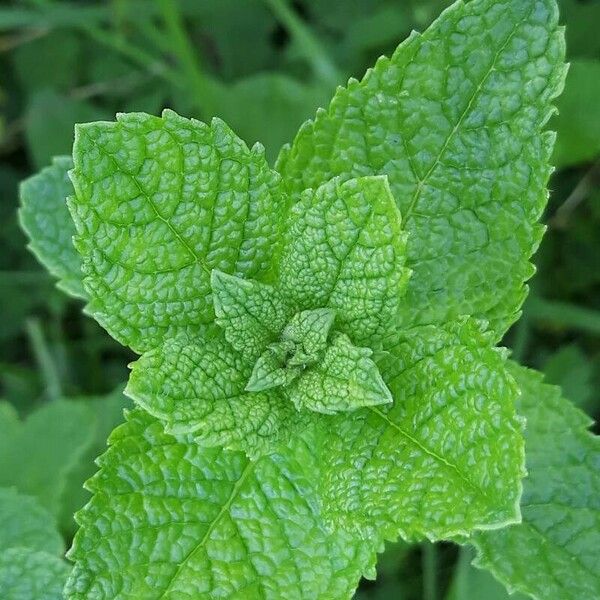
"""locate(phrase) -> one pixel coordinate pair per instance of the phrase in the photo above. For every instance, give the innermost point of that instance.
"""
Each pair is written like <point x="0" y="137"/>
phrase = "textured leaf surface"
<point x="159" y="202"/>
<point x="345" y="380"/>
<point x="199" y="387"/>
<point x="446" y="457"/>
<point x="560" y="504"/>
<point x="454" y="120"/>
<point x="273" y="369"/>
<point x="27" y="574"/>
<point x="24" y="522"/>
<point x="344" y="249"/>
<point x="37" y="455"/>
<point x="46" y="220"/>
<point x="251" y="314"/>
<point x="309" y="330"/>
<point x="172" y="520"/>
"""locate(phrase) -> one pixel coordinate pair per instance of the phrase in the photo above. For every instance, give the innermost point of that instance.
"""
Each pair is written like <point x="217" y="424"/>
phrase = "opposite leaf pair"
<point x="288" y="347"/>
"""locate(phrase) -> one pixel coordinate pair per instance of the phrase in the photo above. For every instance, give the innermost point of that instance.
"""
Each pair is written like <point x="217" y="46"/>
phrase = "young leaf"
<point x="309" y="330"/>
<point x="46" y="221"/>
<point x="159" y="203"/>
<point x="555" y="552"/>
<point x="273" y="369"/>
<point x="38" y="454"/>
<point x="345" y="380"/>
<point x="344" y="249"/>
<point x="454" y="119"/>
<point x="31" y="574"/>
<point x="446" y="457"/>
<point x="199" y="387"/>
<point x="24" y="522"/>
<point x="171" y="519"/>
<point x="251" y="314"/>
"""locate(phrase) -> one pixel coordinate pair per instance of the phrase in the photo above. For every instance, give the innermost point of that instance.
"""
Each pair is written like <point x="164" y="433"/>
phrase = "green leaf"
<point x="46" y="221"/>
<point x="199" y="387"/>
<point x="573" y="371"/>
<point x="274" y="106"/>
<point x="273" y="369"/>
<point x="189" y="522"/>
<point x="251" y="314"/>
<point x="345" y="380"/>
<point x="578" y="119"/>
<point x="37" y="455"/>
<point x="454" y="119"/>
<point x="554" y="553"/>
<point x="31" y="574"/>
<point x="344" y="249"/>
<point x="446" y="457"/>
<point x="49" y="123"/>
<point x="470" y="583"/>
<point x="159" y="203"/>
<point x="24" y="522"/>
<point x="303" y="342"/>
<point x="309" y="330"/>
<point x="107" y="413"/>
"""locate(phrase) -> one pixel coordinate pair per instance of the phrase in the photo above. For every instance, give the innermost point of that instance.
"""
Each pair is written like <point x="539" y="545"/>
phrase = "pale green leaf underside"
<point x="27" y="574"/>
<point x="24" y="522"/>
<point x="38" y="454"/>
<point x="159" y="203"/>
<point x="555" y="552"/>
<point x="454" y="119"/>
<point x="184" y="522"/>
<point x="446" y="457"/>
<point x="46" y="220"/>
<point x="198" y="386"/>
<point x="346" y="379"/>
<point x="344" y="249"/>
<point x="251" y="314"/>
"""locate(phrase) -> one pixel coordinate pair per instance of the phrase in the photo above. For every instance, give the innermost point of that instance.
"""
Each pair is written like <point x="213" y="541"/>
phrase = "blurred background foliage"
<point x="264" y="66"/>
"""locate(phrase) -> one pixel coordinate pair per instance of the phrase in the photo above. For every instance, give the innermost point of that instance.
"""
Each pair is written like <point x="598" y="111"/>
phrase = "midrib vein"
<point x="224" y="510"/>
<point x="423" y="182"/>
<point x="429" y="452"/>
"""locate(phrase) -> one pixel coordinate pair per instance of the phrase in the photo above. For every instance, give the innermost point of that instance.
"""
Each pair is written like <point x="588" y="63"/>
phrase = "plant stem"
<point x="201" y="86"/>
<point x="323" y="67"/>
<point x="565" y="314"/>
<point x="576" y="197"/>
<point x="44" y="359"/>
<point x="429" y="571"/>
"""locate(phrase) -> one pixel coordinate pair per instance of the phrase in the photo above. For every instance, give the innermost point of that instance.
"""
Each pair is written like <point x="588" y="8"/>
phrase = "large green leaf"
<point x="170" y="519"/>
<point x="159" y="203"/>
<point x="454" y="119"/>
<point x="555" y="552"/>
<point x="447" y="457"/>
<point x="24" y="522"/>
<point x="38" y="454"/>
<point x="46" y="220"/>
<point x="27" y="574"/>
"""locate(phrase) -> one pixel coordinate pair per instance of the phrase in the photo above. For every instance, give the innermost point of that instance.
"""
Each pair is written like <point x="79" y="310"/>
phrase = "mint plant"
<point x="318" y="369"/>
